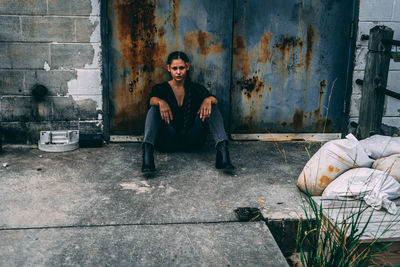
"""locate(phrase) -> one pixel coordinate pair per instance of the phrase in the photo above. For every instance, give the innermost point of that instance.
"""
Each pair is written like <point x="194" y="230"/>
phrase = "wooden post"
<point x="375" y="79"/>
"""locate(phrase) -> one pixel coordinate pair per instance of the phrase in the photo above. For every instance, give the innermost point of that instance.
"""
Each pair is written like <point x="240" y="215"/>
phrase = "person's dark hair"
<point x="187" y="107"/>
<point x="177" y="55"/>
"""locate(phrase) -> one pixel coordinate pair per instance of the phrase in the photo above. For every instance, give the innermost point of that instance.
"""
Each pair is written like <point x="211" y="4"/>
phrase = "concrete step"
<point x="210" y="244"/>
<point x="64" y="204"/>
<point x="105" y="186"/>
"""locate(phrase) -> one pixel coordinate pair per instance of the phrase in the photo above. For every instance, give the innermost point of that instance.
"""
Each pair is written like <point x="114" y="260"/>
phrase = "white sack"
<point x="376" y="187"/>
<point x="379" y="146"/>
<point x="390" y="165"/>
<point x="332" y="159"/>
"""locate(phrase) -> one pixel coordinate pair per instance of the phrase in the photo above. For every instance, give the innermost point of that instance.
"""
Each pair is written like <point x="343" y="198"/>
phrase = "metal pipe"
<point x="391" y="93"/>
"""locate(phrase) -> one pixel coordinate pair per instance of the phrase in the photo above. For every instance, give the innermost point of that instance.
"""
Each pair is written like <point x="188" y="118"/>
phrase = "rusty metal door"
<point x="290" y="65"/>
<point x="141" y="35"/>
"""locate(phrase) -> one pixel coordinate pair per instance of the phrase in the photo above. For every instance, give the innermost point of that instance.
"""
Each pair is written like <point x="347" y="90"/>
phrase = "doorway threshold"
<point x="271" y="137"/>
<point x="275" y="137"/>
<point x="126" y="138"/>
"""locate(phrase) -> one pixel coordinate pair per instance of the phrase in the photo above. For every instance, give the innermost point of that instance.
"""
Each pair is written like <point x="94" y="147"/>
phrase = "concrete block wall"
<point x="372" y="13"/>
<point x="55" y="43"/>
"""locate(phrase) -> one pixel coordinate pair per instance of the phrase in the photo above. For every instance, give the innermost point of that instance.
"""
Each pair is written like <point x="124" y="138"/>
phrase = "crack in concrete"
<point x="116" y="225"/>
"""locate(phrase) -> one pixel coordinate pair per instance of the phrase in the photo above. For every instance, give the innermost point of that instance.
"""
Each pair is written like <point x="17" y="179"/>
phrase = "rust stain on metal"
<point x="297" y="121"/>
<point x="323" y="125"/>
<point x="287" y="44"/>
<point x="290" y="49"/>
<point x="251" y="86"/>
<point x="203" y="41"/>
<point x="309" y="45"/>
<point x="265" y="52"/>
<point x="300" y="63"/>
<point x="248" y="121"/>
<point x="319" y="121"/>
<point x="175" y="14"/>
<point x="143" y="49"/>
<point x="242" y="61"/>
<point x="253" y="90"/>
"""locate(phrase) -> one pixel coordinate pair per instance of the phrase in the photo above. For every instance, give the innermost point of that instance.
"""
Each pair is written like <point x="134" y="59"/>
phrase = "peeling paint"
<point x="46" y="66"/>
<point x="87" y="83"/>
<point x="95" y="8"/>
<point x="88" y="79"/>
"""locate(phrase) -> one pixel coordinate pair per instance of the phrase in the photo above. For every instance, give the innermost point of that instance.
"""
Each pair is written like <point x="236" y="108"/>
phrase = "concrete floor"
<point x="93" y="206"/>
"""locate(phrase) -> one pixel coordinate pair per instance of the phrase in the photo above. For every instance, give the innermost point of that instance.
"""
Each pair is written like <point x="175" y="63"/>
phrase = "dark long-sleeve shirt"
<point x="165" y="92"/>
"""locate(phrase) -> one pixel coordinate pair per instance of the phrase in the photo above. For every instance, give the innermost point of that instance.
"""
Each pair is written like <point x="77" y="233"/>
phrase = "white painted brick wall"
<point x="56" y="43"/>
<point x="372" y="13"/>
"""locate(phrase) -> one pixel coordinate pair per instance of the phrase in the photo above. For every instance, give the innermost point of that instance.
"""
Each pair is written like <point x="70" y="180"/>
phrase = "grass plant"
<point x="321" y="243"/>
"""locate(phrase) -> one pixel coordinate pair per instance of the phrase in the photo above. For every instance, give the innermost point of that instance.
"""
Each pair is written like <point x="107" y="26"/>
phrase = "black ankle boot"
<point x="148" y="158"/>
<point x="223" y="161"/>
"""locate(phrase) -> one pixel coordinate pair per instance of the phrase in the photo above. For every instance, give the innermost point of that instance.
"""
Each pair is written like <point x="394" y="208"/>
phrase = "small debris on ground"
<point x="139" y="188"/>
<point x="5" y="165"/>
<point x="261" y="201"/>
<point x="247" y="214"/>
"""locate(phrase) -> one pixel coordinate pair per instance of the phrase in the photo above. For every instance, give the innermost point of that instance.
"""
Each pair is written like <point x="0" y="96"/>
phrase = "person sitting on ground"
<point x="180" y="114"/>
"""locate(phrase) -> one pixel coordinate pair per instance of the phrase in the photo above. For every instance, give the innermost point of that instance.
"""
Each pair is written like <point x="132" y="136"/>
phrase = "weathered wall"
<point x="55" y="43"/>
<point x="372" y="13"/>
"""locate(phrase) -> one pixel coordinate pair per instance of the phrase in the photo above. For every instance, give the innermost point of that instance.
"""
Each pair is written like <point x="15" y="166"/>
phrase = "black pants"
<point x="164" y="137"/>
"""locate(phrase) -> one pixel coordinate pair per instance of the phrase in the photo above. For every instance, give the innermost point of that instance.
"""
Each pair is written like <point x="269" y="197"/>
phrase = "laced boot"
<point x="223" y="161"/>
<point x="148" y="158"/>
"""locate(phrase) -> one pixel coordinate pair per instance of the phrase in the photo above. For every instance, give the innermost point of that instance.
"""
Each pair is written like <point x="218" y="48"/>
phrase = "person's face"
<point x="178" y="70"/>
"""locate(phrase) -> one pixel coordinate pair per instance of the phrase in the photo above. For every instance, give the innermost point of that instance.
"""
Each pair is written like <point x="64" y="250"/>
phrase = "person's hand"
<point x="165" y="111"/>
<point x="205" y="109"/>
